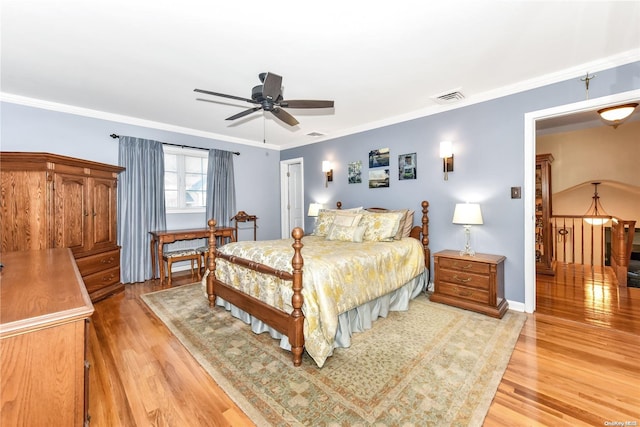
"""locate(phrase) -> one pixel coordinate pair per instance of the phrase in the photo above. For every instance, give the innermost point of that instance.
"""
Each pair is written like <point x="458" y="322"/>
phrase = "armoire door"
<point x="103" y="212"/>
<point x="71" y="212"/>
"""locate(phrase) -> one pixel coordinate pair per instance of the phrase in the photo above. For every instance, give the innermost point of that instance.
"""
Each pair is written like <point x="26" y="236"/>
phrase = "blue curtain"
<point x="221" y="188"/>
<point x="141" y="204"/>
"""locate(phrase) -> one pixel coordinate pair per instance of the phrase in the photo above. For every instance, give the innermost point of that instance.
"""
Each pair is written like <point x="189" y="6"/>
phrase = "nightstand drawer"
<point x="464" y="265"/>
<point x="464" y="278"/>
<point x="458" y="291"/>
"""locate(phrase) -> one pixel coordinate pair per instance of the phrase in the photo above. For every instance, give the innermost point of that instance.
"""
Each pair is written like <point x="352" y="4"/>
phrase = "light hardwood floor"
<point x="577" y="362"/>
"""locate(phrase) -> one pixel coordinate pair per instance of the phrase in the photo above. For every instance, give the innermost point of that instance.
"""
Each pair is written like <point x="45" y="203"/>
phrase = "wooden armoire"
<point x="53" y="201"/>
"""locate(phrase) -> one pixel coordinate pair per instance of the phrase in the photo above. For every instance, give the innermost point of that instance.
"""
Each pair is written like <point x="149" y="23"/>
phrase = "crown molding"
<point x="102" y="115"/>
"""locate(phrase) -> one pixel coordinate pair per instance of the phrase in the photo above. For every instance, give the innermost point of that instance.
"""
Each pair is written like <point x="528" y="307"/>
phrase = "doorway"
<point x="291" y="195"/>
<point x="530" y="120"/>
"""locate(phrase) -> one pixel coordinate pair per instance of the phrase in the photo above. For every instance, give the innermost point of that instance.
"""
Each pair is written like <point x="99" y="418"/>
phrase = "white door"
<point x="292" y="195"/>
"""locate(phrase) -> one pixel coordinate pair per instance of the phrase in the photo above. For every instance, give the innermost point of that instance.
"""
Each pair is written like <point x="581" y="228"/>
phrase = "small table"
<point x="160" y="237"/>
<point x="470" y="282"/>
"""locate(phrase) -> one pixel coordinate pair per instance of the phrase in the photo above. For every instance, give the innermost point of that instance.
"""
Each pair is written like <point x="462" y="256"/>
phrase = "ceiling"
<point x="139" y="61"/>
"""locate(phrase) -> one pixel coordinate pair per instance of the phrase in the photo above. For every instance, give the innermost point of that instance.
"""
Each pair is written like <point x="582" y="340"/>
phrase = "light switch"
<point x="516" y="192"/>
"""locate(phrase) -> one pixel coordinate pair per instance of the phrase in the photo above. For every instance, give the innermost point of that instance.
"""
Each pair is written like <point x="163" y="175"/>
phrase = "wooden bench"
<point x="182" y="255"/>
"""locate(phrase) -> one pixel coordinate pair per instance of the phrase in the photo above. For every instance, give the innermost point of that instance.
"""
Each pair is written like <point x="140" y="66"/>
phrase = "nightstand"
<point x="470" y="282"/>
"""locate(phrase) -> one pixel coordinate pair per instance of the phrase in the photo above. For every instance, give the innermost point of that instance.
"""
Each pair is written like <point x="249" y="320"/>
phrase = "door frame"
<point x="285" y="225"/>
<point x="529" y="176"/>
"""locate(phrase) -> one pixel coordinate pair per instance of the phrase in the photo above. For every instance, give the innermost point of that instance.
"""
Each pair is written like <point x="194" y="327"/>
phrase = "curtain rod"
<point x="237" y="153"/>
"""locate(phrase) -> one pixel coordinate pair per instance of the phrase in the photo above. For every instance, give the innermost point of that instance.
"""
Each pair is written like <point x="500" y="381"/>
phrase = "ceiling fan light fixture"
<point x="617" y="114"/>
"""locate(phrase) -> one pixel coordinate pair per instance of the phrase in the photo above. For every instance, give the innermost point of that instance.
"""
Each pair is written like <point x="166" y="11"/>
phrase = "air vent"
<point x="448" y="97"/>
<point x="316" y="133"/>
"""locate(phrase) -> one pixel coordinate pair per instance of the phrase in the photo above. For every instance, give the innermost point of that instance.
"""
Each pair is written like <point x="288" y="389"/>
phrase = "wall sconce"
<point x="446" y="153"/>
<point x="328" y="172"/>
<point x="614" y="116"/>
<point x="467" y="214"/>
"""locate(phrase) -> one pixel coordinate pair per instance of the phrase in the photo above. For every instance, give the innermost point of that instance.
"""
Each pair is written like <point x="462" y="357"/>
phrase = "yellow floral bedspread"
<point x="337" y="276"/>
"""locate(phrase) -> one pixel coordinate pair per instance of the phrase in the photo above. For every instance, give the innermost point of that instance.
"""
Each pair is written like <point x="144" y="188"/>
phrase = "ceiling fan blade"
<point x="306" y="103"/>
<point x="272" y="87"/>
<point x="239" y="98"/>
<point x="284" y="116"/>
<point x="244" y="113"/>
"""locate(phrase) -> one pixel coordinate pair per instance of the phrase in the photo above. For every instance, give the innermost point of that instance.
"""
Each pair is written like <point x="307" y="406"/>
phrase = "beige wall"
<point x="610" y="156"/>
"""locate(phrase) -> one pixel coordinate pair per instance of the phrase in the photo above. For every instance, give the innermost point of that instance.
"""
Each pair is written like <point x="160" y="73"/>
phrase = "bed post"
<point x="296" y="326"/>
<point x="425" y="233"/>
<point x="212" y="263"/>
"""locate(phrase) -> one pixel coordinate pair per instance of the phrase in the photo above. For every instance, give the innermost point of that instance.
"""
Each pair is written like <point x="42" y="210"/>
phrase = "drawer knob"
<point x="464" y="294"/>
<point x="463" y="280"/>
<point x="107" y="260"/>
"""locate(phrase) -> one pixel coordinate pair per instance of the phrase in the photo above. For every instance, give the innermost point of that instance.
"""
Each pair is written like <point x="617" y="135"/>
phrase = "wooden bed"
<point x="289" y="324"/>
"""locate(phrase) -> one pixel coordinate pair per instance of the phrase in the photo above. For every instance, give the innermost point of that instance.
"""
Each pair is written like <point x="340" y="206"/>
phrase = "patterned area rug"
<point x="432" y="365"/>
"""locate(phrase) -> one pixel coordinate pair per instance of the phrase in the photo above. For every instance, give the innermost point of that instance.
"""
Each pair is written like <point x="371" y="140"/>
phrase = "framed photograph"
<point x="407" y="167"/>
<point x="355" y="172"/>
<point x="379" y="158"/>
<point x="379" y="178"/>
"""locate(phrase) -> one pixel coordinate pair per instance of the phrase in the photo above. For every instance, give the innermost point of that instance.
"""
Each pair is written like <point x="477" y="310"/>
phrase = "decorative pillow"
<point x="344" y="233"/>
<point x="382" y="226"/>
<point x="323" y="222"/>
<point x="347" y="219"/>
<point x="408" y="223"/>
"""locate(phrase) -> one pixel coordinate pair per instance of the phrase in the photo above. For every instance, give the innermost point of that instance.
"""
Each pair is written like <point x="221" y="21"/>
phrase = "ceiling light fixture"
<point x="615" y="115"/>
<point x="596" y="214"/>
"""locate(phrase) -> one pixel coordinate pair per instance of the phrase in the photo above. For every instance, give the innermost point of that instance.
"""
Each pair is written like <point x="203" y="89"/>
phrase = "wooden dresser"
<point x="470" y="282"/>
<point x="52" y="201"/>
<point x="44" y="312"/>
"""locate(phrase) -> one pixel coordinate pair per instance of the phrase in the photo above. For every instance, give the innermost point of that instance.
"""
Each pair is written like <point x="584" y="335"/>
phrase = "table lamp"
<point x="467" y="214"/>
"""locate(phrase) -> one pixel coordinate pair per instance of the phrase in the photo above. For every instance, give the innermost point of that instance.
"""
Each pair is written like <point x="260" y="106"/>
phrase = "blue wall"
<point x="488" y="141"/>
<point x="33" y="129"/>
<point x="488" y="144"/>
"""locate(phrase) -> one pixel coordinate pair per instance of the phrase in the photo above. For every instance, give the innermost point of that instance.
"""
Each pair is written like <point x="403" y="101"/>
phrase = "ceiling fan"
<point x="268" y="97"/>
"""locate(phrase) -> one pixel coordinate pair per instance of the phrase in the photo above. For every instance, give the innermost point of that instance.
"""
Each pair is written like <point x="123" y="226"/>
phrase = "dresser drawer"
<point x="98" y="262"/>
<point x="464" y="278"/>
<point x="186" y="236"/>
<point x="463" y="292"/>
<point x="464" y="265"/>
<point x="97" y="281"/>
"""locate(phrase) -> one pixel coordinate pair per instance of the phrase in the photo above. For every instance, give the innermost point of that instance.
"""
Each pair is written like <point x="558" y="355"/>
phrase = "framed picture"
<point x="355" y="172"/>
<point x="407" y="167"/>
<point x="379" y="158"/>
<point x="379" y="178"/>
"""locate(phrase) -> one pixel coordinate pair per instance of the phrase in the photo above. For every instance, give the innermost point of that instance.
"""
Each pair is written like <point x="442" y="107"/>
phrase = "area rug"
<point x="432" y="365"/>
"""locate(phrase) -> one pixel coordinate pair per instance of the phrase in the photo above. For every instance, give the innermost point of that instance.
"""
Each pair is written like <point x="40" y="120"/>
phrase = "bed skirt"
<point x="358" y="319"/>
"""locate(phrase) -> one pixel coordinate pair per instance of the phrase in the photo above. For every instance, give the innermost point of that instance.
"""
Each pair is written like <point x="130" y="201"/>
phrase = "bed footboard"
<point x="288" y="324"/>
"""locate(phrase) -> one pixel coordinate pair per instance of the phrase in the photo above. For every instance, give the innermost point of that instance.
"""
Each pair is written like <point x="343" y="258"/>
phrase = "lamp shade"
<point x="446" y="149"/>
<point x="467" y="214"/>
<point x="314" y="209"/>
<point x="617" y="113"/>
<point x="326" y="166"/>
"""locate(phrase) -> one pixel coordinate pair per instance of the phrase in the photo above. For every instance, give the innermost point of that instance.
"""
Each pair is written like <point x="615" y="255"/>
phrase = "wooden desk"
<point x="160" y="237"/>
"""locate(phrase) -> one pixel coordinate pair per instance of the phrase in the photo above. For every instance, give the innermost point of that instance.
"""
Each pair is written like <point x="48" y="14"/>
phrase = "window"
<point x="185" y="179"/>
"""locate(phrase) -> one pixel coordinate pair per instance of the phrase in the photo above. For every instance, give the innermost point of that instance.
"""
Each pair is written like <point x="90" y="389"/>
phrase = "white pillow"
<point x="344" y="233"/>
<point x="347" y="219"/>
